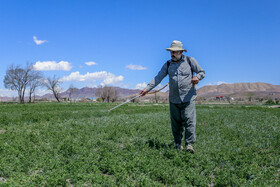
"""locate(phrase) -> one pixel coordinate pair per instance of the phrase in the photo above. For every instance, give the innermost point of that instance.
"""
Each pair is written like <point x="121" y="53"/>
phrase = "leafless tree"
<point x="113" y="94"/>
<point x="18" y="78"/>
<point x="71" y="91"/>
<point x="135" y="100"/>
<point x="228" y="99"/>
<point x="99" y="93"/>
<point x="157" y="97"/>
<point x="108" y="94"/>
<point x="261" y="100"/>
<point x="53" y="85"/>
<point x="36" y="80"/>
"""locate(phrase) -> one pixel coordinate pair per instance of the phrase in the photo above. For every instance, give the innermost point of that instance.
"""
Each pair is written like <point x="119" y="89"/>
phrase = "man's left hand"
<point x="194" y="81"/>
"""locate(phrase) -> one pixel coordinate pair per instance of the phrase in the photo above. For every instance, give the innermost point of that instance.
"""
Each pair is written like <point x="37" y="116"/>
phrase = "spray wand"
<point x="135" y="98"/>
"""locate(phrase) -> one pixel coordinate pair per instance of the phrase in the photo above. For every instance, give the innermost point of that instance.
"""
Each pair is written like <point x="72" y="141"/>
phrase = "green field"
<point x="81" y="144"/>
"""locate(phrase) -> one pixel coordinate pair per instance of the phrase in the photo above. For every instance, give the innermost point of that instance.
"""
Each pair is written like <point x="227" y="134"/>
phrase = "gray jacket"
<point x="180" y="76"/>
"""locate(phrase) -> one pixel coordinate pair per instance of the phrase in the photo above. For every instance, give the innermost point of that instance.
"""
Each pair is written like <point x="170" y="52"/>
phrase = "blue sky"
<point x="233" y="41"/>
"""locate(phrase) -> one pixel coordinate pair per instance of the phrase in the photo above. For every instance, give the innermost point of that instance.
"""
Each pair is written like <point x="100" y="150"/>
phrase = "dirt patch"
<point x="69" y="182"/>
<point x="274" y="106"/>
<point x="2" y="131"/>
<point x="2" y="179"/>
<point x="212" y="181"/>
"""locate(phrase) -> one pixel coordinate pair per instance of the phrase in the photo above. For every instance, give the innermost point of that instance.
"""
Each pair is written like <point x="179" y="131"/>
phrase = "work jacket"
<point x="180" y="75"/>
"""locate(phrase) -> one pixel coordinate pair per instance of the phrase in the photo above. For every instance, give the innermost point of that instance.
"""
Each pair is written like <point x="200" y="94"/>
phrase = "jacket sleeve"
<point x="161" y="74"/>
<point x="200" y="73"/>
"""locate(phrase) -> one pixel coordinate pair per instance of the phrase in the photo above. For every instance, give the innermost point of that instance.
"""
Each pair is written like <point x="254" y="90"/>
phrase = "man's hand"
<point x="194" y="81"/>
<point x="143" y="92"/>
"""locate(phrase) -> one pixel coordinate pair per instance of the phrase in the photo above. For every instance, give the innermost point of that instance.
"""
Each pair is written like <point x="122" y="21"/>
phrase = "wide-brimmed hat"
<point x="176" y="46"/>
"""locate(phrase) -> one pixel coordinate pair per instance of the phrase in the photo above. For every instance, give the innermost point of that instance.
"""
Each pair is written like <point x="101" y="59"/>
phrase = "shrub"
<point x="269" y="102"/>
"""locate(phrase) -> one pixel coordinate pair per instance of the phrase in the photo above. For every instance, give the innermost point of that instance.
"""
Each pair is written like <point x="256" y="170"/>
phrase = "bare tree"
<point x="35" y="82"/>
<point x="18" y="78"/>
<point x="228" y="98"/>
<point x="108" y="94"/>
<point x="53" y="85"/>
<point x="157" y="97"/>
<point x="99" y="93"/>
<point x="135" y="100"/>
<point x="71" y="91"/>
<point x="112" y="94"/>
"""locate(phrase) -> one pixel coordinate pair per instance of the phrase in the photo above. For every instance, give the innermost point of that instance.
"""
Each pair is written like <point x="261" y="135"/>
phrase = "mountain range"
<point x="240" y="90"/>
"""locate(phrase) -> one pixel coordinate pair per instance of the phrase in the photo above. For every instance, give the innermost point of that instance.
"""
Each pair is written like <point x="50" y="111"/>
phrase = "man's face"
<point x="176" y="55"/>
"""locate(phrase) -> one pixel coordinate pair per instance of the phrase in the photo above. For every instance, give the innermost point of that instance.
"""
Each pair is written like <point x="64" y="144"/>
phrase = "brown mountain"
<point x="239" y="89"/>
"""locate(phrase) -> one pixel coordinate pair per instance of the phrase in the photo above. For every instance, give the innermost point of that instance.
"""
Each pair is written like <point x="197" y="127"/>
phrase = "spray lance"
<point x="136" y="98"/>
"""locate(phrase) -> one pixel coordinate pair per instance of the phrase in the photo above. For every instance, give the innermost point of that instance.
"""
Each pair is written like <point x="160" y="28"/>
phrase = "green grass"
<point x="63" y="144"/>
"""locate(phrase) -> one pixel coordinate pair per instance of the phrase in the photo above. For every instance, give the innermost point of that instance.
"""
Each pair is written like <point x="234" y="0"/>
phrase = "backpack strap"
<point x="168" y="64"/>
<point x="189" y="61"/>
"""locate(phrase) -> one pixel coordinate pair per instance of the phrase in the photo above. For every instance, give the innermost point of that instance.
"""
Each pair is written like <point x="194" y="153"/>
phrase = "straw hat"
<point x="176" y="46"/>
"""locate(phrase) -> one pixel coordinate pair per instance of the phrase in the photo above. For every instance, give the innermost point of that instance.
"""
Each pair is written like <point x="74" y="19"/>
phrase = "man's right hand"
<point x="143" y="92"/>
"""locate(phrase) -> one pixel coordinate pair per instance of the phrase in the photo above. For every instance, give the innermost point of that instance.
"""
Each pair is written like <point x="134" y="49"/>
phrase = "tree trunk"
<point x="56" y="96"/>
<point x="23" y="92"/>
<point x="30" y="97"/>
<point x="20" y="97"/>
<point x="34" y="97"/>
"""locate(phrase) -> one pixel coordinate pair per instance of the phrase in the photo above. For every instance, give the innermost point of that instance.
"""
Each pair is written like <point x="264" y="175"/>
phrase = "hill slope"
<point x="239" y="89"/>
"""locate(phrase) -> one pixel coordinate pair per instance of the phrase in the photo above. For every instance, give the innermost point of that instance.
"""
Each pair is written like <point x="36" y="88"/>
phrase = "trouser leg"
<point x="189" y="121"/>
<point x="176" y="123"/>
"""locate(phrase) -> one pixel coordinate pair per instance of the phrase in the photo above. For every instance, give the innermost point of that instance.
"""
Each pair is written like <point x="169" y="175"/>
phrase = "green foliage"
<point x="99" y="99"/>
<point x="270" y="102"/>
<point x="81" y="144"/>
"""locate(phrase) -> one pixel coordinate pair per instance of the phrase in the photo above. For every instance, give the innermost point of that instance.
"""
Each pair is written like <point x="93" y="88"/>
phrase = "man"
<point x="182" y="93"/>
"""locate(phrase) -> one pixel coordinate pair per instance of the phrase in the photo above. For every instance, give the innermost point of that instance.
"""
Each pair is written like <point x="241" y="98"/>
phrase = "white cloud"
<point x="38" y="42"/>
<point x="91" y="85"/>
<point x="140" y="86"/>
<point x="91" y="63"/>
<point x="42" y="92"/>
<point x="135" y="67"/>
<point x="8" y="93"/>
<point x="52" y="65"/>
<point x="107" y="78"/>
<point x="39" y="92"/>
<point x="218" y="83"/>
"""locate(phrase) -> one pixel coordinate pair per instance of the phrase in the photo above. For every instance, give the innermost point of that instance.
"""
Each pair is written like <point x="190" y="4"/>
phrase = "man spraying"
<point x="182" y="93"/>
